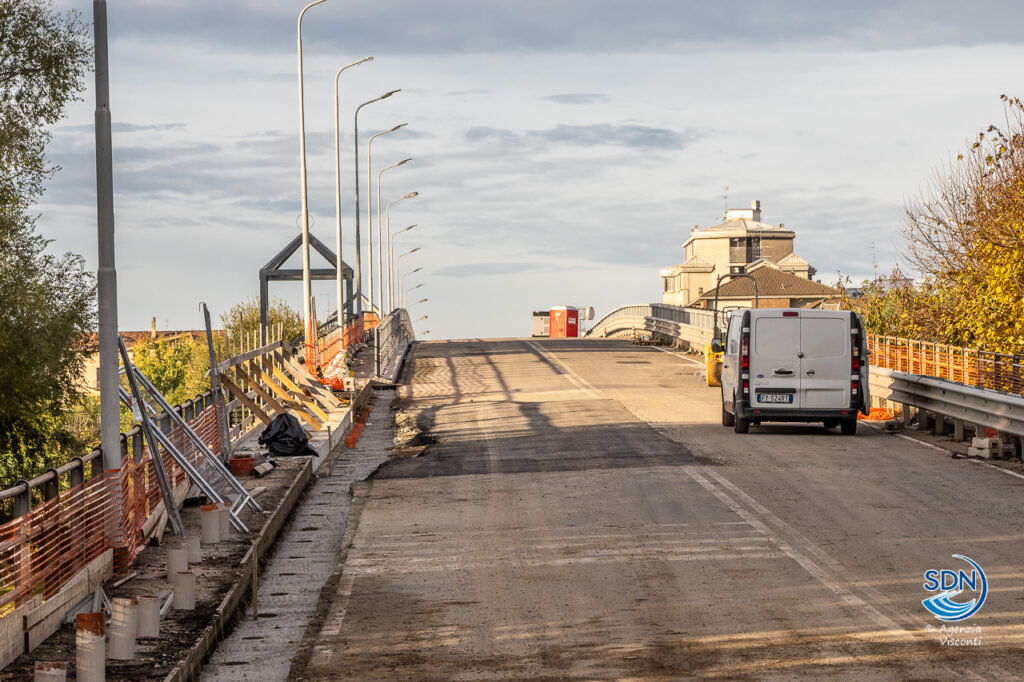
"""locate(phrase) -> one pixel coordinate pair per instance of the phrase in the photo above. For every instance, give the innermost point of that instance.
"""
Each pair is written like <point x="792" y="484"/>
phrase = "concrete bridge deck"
<point x="581" y="515"/>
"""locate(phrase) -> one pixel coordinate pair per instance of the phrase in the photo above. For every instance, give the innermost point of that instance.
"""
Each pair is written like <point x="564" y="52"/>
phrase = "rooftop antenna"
<point x="874" y="260"/>
<point x="725" y="198"/>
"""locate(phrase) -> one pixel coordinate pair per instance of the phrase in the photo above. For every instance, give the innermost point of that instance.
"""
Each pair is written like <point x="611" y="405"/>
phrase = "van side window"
<point x="733" y="340"/>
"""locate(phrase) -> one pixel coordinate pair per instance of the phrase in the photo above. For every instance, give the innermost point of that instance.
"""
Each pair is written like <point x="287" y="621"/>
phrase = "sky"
<point x="561" y="151"/>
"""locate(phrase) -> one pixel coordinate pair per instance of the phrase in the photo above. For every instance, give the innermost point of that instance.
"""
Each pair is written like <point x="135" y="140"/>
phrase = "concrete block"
<point x="924" y="420"/>
<point x="985" y="453"/>
<point x="984" y="442"/>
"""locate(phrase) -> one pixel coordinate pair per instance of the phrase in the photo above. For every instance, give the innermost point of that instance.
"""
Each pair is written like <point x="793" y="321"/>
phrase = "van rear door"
<point x="825" y="365"/>
<point x="774" y="363"/>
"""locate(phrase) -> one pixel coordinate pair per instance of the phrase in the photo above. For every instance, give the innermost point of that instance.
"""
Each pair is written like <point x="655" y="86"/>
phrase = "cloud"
<point x="262" y="26"/>
<point x="474" y="269"/>
<point x="630" y="135"/>
<point x="578" y="98"/>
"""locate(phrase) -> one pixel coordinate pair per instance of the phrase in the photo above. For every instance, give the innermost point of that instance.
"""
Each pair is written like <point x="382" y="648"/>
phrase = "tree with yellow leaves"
<point x="966" y="237"/>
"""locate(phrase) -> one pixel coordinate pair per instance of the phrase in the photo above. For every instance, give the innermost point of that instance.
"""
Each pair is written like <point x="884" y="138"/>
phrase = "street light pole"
<point x="369" y="213"/>
<point x="397" y="268"/>
<point x="405" y="296"/>
<point x="306" y="287"/>
<point x="380" y="247"/>
<point x="387" y="219"/>
<point x="340" y="264"/>
<point x="106" y="273"/>
<point x="359" y="252"/>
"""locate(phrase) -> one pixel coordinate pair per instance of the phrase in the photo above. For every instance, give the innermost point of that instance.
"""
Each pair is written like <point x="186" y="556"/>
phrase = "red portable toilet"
<point x="564" y="322"/>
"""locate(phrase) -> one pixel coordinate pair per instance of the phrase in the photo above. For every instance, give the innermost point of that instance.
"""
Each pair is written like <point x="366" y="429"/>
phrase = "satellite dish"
<point x="298" y="221"/>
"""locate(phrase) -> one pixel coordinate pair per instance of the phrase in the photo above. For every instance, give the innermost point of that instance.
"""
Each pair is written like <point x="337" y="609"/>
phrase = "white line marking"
<point x="969" y="459"/>
<point x="993" y="466"/>
<point x="814" y="569"/>
<point x="576" y="379"/>
<point x="681" y="357"/>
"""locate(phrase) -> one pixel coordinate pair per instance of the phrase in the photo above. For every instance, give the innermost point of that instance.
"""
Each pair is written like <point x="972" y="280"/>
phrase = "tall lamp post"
<point x="405" y="296"/>
<point x="380" y="247"/>
<point x="387" y="219"/>
<point x="306" y="290"/>
<point x="106" y="273"/>
<point x="369" y="219"/>
<point x="359" y="252"/>
<point x="398" y="270"/>
<point x="339" y="266"/>
<point x="422" y="300"/>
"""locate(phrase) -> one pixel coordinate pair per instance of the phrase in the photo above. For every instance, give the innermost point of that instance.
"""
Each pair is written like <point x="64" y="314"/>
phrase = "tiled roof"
<point x="772" y="283"/>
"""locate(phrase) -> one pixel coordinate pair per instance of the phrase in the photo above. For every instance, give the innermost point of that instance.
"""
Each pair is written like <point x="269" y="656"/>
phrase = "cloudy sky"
<point x="562" y="150"/>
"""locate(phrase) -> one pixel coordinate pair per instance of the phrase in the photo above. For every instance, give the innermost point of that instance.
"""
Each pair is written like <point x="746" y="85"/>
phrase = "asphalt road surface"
<point x="583" y="515"/>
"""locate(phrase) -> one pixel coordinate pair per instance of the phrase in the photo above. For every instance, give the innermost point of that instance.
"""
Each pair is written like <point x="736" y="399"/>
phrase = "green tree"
<point x="242" y="321"/>
<point x="44" y="56"/>
<point x="48" y="300"/>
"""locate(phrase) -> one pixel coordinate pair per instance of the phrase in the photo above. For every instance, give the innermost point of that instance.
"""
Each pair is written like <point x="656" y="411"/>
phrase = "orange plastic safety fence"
<point x="325" y="358"/>
<point x="43" y="549"/>
<point x="969" y="366"/>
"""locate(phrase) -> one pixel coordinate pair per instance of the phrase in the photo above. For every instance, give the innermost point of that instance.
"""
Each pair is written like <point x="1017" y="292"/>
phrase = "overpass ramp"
<point x="580" y="514"/>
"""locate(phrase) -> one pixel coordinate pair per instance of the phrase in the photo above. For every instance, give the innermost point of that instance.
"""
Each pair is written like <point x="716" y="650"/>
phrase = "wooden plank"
<point x="254" y="385"/>
<point x="301" y="376"/>
<point x="298" y="403"/>
<point x="246" y="400"/>
<point x="246" y="357"/>
<point x="306" y="396"/>
<point x="298" y="407"/>
<point x="12" y="631"/>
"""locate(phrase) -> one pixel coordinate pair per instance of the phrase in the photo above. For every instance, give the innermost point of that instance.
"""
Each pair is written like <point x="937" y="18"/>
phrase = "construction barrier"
<point x="983" y="369"/>
<point x="56" y="533"/>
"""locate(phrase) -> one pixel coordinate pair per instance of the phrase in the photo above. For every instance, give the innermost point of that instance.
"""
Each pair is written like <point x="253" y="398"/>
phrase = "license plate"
<point x="774" y="397"/>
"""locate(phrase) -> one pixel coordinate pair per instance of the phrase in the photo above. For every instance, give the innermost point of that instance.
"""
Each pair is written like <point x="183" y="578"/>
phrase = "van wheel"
<point x="727" y="417"/>
<point x="741" y="425"/>
<point x="848" y="427"/>
<point x="831" y="423"/>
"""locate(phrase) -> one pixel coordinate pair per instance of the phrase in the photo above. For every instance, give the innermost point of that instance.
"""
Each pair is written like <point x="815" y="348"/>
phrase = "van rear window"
<point x="824" y="337"/>
<point x="775" y="335"/>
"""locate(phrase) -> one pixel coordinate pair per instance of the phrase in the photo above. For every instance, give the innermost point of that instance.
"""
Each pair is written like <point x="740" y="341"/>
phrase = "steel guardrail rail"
<point x="987" y="407"/>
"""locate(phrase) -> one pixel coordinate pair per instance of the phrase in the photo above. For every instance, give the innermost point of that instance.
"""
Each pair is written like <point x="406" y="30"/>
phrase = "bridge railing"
<point x="394" y="335"/>
<point x="60" y="521"/>
<point x="689" y="324"/>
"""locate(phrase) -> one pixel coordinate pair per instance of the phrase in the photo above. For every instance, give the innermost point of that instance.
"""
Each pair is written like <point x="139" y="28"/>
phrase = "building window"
<point x="700" y="291"/>
<point x="668" y="285"/>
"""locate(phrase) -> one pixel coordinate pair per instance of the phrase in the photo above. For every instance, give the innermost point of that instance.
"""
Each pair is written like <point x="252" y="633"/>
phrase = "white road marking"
<point x="971" y="460"/>
<point x="578" y="381"/>
<point x="681" y="357"/>
<point x="820" y="574"/>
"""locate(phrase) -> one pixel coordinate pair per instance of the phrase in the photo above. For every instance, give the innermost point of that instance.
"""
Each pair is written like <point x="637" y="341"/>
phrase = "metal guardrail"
<point x="688" y="324"/>
<point x="394" y="334"/>
<point x="986" y="407"/>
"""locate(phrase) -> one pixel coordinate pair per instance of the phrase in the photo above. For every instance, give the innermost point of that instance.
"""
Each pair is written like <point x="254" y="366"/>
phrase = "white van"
<point x="794" y="364"/>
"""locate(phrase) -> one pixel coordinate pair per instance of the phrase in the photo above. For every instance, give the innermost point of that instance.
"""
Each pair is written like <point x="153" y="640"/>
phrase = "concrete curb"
<point x="193" y="661"/>
<point x="189" y="667"/>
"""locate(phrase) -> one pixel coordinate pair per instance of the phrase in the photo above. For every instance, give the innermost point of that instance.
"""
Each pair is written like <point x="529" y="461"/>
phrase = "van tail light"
<point x="854" y="367"/>
<point x="745" y="352"/>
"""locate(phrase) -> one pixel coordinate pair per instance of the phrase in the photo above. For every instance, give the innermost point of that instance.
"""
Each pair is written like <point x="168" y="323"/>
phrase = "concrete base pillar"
<point x="958" y="430"/>
<point x="924" y="420"/>
<point x="939" y="428"/>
